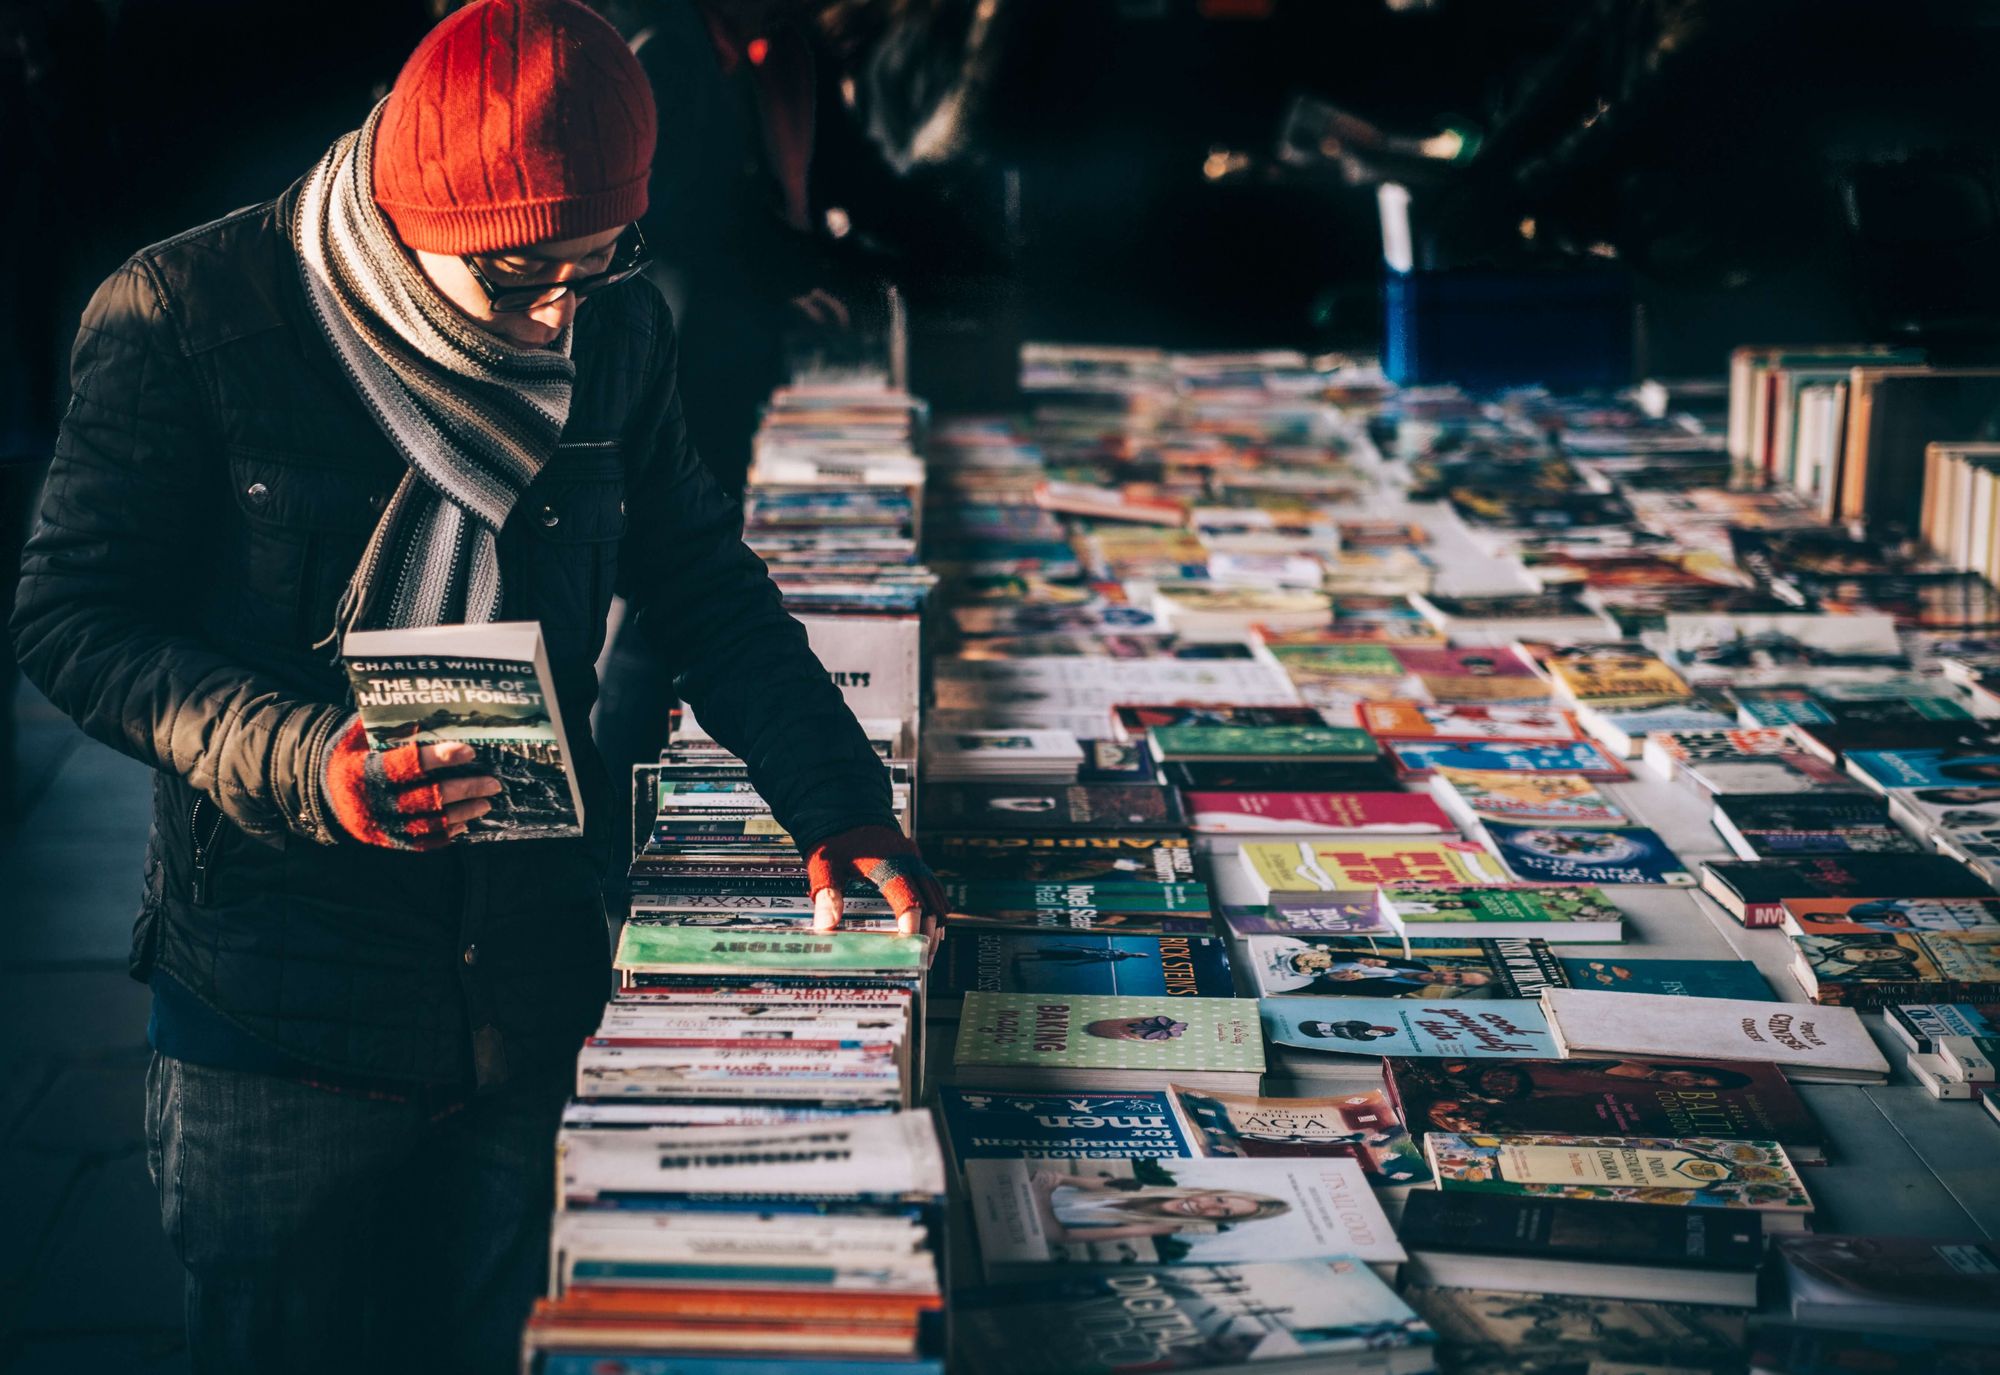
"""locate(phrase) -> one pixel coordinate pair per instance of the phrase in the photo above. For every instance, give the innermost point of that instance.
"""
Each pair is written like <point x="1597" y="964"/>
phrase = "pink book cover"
<point x="1231" y="813"/>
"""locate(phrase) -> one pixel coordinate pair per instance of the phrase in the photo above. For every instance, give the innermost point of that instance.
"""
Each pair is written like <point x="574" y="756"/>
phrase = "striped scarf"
<point x="474" y="417"/>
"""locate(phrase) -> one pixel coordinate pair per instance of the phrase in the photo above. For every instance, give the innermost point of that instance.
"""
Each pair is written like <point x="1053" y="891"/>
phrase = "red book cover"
<point x="1234" y="813"/>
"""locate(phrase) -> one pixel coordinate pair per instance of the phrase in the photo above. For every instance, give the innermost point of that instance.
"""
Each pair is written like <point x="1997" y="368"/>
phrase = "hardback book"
<point x="1948" y="1290"/>
<point x="1107" y="861"/>
<point x="1080" y="962"/>
<point x="989" y="1124"/>
<point x="1152" y="1211"/>
<point x="1759" y="826"/>
<point x="1492" y="1331"/>
<point x="1309" y="914"/>
<point x="1321" y="744"/>
<point x="1445" y="721"/>
<point x="487" y="686"/>
<point x="646" y="948"/>
<point x="1508" y="1029"/>
<point x="1683" y="978"/>
<point x="1880" y="969"/>
<point x="1863" y="916"/>
<point x="1054" y="810"/>
<point x="1045" y="1042"/>
<point x="1331" y="866"/>
<point x="1361" y="966"/>
<point x="1313" y="813"/>
<point x="1920" y="1024"/>
<point x="1585" y="855"/>
<point x="1682" y="1172"/>
<point x="1474" y="797"/>
<point x="1811" y="1044"/>
<point x="1419" y="758"/>
<point x="1359" y="1126"/>
<point x="1637" y="1097"/>
<point x="1754" y="890"/>
<point x="1566" y="1245"/>
<point x="1567" y="915"/>
<point x="1299" y="1318"/>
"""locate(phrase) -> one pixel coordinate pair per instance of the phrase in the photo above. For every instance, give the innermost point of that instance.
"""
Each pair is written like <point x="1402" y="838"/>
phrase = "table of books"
<point x="1437" y="883"/>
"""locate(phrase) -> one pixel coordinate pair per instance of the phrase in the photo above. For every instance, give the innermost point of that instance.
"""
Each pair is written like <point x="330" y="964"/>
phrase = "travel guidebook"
<point x="1360" y="1126"/>
<point x="1391" y="967"/>
<point x="1297" y="1318"/>
<point x="1506" y="1029"/>
<point x="1084" y="962"/>
<point x="1152" y="1211"/>
<point x="1636" y="1097"/>
<point x="986" y="1124"/>
<point x="1042" y="1041"/>
<point x="1686" y="1172"/>
<point x="1548" y="854"/>
<point x="487" y="686"/>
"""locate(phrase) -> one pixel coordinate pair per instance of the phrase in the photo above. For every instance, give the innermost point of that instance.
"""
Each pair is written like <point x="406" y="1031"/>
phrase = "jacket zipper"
<point x="204" y="850"/>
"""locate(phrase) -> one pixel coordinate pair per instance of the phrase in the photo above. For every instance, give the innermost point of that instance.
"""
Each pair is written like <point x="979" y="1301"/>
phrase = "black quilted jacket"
<point x="212" y="487"/>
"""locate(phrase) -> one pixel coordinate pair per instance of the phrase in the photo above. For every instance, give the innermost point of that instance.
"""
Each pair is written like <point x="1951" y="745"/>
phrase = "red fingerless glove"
<point x="381" y="797"/>
<point x="886" y="858"/>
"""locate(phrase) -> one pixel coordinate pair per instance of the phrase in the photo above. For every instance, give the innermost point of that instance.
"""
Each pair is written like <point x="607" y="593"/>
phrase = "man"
<point x="423" y="385"/>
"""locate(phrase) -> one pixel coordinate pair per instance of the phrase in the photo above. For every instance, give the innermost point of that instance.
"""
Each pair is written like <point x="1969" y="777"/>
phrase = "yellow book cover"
<point x="1328" y="865"/>
<point x="1622" y="679"/>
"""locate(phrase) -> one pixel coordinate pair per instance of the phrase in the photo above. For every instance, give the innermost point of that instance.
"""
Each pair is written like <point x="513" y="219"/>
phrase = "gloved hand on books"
<point x="886" y="858"/>
<point x="406" y="798"/>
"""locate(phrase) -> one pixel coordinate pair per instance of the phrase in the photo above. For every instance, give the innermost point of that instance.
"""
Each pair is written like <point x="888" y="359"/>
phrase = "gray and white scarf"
<point x="473" y="416"/>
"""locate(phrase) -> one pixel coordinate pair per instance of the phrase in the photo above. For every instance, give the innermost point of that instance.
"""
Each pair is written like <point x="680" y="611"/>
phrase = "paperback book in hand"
<point x="487" y="686"/>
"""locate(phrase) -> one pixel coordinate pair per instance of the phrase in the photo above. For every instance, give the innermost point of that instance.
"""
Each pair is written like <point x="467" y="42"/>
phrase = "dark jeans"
<point x="331" y="1231"/>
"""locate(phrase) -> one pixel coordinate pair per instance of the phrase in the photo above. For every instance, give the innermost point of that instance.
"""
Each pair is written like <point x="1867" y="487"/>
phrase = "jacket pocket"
<point x="564" y="534"/>
<point x="304" y="523"/>
<point x="205" y="824"/>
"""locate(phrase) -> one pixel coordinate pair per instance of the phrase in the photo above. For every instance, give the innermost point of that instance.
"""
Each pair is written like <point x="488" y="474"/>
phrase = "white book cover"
<point x="1811" y="1044"/>
<point x="887" y="1154"/>
<point x="1197" y="1211"/>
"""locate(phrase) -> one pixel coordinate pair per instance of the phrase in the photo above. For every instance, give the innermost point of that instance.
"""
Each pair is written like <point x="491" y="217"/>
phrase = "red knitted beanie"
<point x="513" y="122"/>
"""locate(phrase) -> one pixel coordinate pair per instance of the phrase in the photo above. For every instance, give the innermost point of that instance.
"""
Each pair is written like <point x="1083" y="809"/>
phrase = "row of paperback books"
<point x="747" y="1182"/>
<point x="1286" y="953"/>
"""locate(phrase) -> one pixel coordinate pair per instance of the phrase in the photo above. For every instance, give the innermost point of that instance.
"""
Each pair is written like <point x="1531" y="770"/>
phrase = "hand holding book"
<point x="406" y="798"/>
<point x="886" y="858"/>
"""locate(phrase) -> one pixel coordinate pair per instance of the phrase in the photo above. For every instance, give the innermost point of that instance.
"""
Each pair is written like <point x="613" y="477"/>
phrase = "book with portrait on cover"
<point x="487" y="686"/>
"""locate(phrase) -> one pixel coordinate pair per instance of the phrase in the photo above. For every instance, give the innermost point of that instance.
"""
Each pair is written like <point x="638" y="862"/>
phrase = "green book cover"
<point x="1417" y="905"/>
<point x="1110" y="1032"/>
<point x="1277" y="741"/>
<point x="698" y="949"/>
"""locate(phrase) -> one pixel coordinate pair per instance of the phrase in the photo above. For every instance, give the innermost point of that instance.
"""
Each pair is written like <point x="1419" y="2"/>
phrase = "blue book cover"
<point x="1505" y="1028"/>
<point x="1554" y="854"/>
<point x="1926" y="768"/>
<point x="1078" y="962"/>
<point x="986" y="1124"/>
<point x="1688" y="978"/>
<point x="1556" y="756"/>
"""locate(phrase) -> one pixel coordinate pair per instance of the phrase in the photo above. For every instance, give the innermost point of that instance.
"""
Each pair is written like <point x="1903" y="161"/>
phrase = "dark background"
<point x="1725" y="171"/>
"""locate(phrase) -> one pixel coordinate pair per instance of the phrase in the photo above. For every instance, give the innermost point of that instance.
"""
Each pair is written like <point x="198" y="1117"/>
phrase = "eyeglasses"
<point x="629" y="257"/>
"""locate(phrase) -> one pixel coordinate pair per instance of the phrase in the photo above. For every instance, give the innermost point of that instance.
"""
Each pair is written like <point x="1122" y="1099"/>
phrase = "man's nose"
<point x="556" y="313"/>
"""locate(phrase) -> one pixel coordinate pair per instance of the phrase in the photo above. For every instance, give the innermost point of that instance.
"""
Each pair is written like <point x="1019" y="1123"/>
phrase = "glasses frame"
<point x="629" y="257"/>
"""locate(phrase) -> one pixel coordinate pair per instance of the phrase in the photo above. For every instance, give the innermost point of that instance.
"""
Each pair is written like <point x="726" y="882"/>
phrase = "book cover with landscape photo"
<point x="487" y="686"/>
